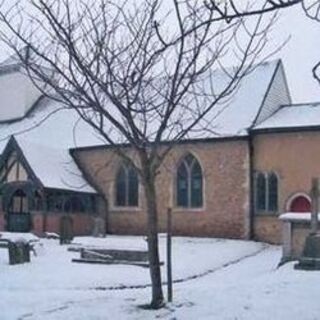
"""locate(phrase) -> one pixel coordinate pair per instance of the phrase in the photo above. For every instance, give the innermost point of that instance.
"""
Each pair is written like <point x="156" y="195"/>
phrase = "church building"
<point x="232" y="183"/>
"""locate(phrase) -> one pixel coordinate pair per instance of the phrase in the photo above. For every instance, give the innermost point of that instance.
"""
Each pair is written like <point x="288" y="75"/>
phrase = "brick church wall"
<point x="295" y="157"/>
<point x="82" y="223"/>
<point x="225" y="213"/>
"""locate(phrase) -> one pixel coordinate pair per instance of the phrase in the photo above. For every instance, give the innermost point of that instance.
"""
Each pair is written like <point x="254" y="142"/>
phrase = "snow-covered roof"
<point x="51" y="124"/>
<point x="236" y="115"/>
<point x="292" y="116"/>
<point x="45" y="136"/>
<point x="49" y="130"/>
<point x="54" y="167"/>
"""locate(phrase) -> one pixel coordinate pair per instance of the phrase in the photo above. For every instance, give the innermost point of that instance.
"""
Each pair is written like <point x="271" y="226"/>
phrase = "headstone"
<point x="66" y="230"/>
<point x="19" y="252"/>
<point x="310" y="259"/>
<point x="99" y="229"/>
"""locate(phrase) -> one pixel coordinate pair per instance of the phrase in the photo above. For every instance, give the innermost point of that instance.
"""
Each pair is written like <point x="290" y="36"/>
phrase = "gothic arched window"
<point x="127" y="187"/>
<point x="189" y="183"/>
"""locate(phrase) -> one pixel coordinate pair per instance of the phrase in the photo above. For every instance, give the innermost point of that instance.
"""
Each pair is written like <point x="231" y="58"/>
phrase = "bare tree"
<point x="139" y="73"/>
<point x="230" y="10"/>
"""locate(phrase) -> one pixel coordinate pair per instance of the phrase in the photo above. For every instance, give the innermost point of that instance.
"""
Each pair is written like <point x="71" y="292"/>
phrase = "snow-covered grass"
<point x="235" y="280"/>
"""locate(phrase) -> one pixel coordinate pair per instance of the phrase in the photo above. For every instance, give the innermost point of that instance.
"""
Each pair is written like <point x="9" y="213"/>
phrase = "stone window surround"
<point x="175" y="208"/>
<point x="189" y="208"/>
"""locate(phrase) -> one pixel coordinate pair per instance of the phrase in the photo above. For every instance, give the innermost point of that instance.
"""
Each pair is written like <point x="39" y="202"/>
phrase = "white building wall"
<point x="17" y="95"/>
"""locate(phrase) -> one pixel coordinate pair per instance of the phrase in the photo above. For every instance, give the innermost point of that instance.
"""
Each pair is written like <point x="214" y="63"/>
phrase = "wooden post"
<point x="169" y="254"/>
<point x="315" y="205"/>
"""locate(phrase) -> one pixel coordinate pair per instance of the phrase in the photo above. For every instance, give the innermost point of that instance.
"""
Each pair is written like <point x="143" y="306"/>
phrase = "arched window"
<point x="266" y="191"/>
<point x="127" y="187"/>
<point x="189" y="183"/>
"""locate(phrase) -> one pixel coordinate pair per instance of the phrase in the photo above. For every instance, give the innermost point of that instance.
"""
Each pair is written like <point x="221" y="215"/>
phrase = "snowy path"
<point x="228" y="280"/>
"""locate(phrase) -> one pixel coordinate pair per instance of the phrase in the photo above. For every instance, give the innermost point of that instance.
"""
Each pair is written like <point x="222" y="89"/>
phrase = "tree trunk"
<point x="153" y="245"/>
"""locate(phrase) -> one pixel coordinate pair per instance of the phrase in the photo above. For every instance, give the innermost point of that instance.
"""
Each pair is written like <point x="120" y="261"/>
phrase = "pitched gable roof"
<point x="13" y="146"/>
<point x="49" y="167"/>
<point x="235" y="115"/>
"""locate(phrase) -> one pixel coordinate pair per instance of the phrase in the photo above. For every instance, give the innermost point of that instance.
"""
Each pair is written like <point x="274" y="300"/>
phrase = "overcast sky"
<point x="299" y="56"/>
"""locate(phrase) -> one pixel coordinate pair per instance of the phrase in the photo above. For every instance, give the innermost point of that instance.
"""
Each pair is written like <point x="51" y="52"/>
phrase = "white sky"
<point x="299" y="56"/>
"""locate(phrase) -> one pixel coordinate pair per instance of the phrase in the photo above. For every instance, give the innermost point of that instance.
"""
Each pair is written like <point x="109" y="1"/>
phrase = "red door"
<point x="300" y="204"/>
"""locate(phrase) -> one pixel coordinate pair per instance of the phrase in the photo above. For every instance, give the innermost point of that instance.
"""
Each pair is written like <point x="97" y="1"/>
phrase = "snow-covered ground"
<point x="217" y="279"/>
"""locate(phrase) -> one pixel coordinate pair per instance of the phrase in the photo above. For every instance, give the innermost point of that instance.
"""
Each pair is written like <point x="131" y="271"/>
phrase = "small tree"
<point x="230" y="10"/>
<point x="138" y="73"/>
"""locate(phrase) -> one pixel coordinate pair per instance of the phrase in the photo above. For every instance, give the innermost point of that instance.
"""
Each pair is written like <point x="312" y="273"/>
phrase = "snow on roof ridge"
<point x="236" y="114"/>
<point x="302" y="104"/>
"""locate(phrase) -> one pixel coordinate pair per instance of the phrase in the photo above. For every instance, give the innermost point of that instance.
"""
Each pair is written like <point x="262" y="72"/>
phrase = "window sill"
<point x="125" y="209"/>
<point x="183" y="210"/>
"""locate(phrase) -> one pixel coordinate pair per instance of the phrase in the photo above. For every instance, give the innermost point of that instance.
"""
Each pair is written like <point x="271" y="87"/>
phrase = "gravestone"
<point x="310" y="259"/>
<point x="99" y="229"/>
<point x="19" y="252"/>
<point x="66" y="230"/>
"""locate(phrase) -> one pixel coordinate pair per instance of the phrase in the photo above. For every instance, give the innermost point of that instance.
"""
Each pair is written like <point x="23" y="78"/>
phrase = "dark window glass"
<point x="196" y="186"/>
<point x="121" y="188"/>
<point x="182" y="186"/>
<point x="132" y="188"/>
<point x="261" y="191"/>
<point x="127" y="187"/>
<point x="272" y="192"/>
<point x="189" y="183"/>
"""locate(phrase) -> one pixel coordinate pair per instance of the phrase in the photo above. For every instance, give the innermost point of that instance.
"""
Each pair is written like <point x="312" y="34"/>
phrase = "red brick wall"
<point x="82" y="223"/>
<point x="226" y="190"/>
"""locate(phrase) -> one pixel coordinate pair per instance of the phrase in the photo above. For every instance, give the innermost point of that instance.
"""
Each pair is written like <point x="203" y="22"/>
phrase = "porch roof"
<point x="53" y="167"/>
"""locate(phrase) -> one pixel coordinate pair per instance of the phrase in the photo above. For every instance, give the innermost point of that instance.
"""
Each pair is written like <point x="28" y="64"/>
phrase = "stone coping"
<point x="297" y="216"/>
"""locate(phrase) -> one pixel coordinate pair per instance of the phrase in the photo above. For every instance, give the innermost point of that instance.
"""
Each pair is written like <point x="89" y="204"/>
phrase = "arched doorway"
<point x="18" y="215"/>
<point x="300" y="203"/>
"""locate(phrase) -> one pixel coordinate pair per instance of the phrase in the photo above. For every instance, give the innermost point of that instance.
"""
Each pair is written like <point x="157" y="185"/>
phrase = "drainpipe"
<point x="251" y="187"/>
